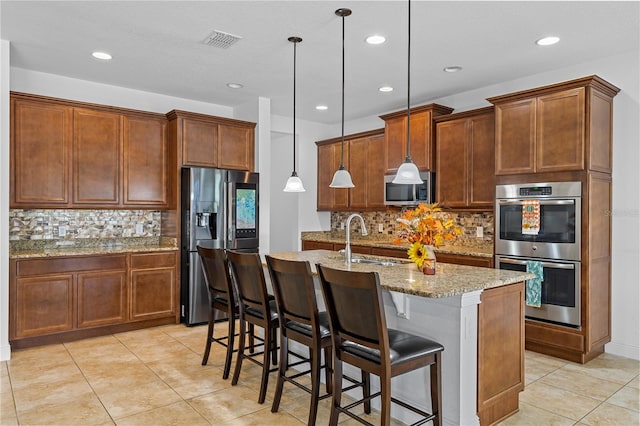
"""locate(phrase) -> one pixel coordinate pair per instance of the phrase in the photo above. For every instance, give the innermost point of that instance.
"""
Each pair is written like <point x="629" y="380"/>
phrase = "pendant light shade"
<point x="408" y="172"/>
<point x="342" y="178"/>
<point x="294" y="184"/>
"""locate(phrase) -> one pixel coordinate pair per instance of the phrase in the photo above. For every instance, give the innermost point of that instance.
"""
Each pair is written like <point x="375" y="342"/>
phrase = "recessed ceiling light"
<point x="547" y="41"/>
<point x="322" y="107"/>
<point x="235" y="85"/>
<point x="375" y="39"/>
<point x="385" y="89"/>
<point x="101" y="55"/>
<point x="454" y="68"/>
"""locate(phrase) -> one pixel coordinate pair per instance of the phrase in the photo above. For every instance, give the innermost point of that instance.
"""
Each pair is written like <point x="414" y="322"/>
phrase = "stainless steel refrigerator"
<point x="219" y="210"/>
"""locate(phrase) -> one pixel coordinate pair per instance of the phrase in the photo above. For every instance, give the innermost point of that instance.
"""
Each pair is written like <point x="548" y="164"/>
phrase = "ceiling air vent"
<point x="221" y="39"/>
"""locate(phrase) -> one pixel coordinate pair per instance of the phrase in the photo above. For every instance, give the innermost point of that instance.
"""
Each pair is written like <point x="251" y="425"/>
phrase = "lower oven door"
<point x="560" y="301"/>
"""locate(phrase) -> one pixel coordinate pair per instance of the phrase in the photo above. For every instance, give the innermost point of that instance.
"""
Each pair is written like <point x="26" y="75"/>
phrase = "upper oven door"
<point x="557" y="238"/>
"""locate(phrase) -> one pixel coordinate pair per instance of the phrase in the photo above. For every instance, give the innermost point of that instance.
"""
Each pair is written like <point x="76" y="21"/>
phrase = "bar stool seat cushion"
<point x="306" y="329"/>
<point x="273" y="311"/>
<point x="402" y="347"/>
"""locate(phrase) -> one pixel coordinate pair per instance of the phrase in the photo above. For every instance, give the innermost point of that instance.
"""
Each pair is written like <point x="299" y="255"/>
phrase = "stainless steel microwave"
<point x="409" y="194"/>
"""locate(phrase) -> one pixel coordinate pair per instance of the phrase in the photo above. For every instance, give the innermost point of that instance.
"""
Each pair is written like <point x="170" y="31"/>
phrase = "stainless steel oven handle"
<point x="544" y="264"/>
<point x="542" y="202"/>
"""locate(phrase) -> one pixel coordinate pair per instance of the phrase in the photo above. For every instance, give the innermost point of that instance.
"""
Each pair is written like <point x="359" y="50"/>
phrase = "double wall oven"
<point x="541" y="222"/>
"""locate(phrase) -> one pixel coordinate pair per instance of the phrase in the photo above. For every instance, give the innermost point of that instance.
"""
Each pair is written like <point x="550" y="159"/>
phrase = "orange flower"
<point x="428" y="225"/>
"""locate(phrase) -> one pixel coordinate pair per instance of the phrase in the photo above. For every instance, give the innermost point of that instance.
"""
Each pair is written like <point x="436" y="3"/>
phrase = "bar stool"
<point x="300" y="321"/>
<point x="216" y="274"/>
<point x="361" y="338"/>
<point x="256" y="308"/>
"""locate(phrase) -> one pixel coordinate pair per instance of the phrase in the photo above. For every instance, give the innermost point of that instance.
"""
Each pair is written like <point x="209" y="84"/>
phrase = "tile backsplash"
<point x="467" y="221"/>
<point x="64" y="224"/>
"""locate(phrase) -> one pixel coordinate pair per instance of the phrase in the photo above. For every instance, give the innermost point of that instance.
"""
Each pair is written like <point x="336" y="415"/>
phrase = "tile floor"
<point x="154" y="377"/>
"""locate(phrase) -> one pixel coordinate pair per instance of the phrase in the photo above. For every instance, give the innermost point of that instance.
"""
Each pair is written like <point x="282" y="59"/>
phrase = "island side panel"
<point x="500" y="352"/>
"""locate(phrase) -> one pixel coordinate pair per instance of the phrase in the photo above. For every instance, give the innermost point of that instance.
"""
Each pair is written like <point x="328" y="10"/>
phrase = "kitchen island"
<point x="477" y="314"/>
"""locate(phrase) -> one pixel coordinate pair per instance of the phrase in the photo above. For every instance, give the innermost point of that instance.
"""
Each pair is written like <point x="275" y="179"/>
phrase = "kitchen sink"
<point x="378" y="262"/>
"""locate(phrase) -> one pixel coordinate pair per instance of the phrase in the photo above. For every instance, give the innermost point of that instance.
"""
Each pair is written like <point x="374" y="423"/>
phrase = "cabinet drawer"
<point x="153" y="260"/>
<point x="317" y="245"/>
<point x="31" y="267"/>
<point x="548" y="335"/>
<point x="460" y="259"/>
<point x="389" y="252"/>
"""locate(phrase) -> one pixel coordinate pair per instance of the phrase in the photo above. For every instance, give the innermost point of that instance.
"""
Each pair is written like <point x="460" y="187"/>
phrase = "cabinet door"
<point x="153" y="286"/>
<point x="44" y="305"/>
<point x="199" y="143"/>
<point x="102" y="298"/>
<point x="97" y="147"/>
<point x="375" y="171"/>
<point x="560" y="132"/>
<point x="451" y="159"/>
<point x="236" y="147"/>
<point x="358" y="158"/>
<point x="396" y="141"/>
<point x="395" y="146"/>
<point x="317" y="245"/>
<point x="40" y="153"/>
<point x="145" y="162"/>
<point x="481" y="161"/>
<point x="328" y="162"/>
<point x="515" y="137"/>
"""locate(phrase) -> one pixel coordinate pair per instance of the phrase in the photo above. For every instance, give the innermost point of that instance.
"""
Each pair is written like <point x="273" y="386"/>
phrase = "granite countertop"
<point x="91" y="247"/>
<point x="466" y="247"/>
<point x="449" y="280"/>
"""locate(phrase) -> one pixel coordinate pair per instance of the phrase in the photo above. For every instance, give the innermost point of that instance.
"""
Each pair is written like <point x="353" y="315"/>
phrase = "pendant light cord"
<point x="342" y="152"/>
<point x="294" y="108"/>
<point x="408" y="159"/>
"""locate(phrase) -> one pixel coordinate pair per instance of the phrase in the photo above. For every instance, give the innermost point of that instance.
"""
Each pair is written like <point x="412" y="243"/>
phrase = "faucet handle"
<point x="341" y="252"/>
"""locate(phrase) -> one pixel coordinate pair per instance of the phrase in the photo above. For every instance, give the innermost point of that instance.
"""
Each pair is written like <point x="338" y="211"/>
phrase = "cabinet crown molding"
<point x="437" y="109"/>
<point x="175" y="114"/>
<point x="591" y="81"/>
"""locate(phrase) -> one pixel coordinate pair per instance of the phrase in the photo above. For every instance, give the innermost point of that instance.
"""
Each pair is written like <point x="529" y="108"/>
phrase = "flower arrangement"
<point x="425" y="227"/>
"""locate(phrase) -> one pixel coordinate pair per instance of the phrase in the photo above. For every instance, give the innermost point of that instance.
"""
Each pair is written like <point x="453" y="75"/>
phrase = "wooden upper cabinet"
<point x="41" y="137"/>
<point x="515" y="137"/>
<point x="199" y="143"/>
<point x="366" y="165"/>
<point x="146" y="165"/>
<point x="422" y="148"/>
<point x="560" y="131"/>
<point x="97" y="148"/>
<point x="465" y="159"/>
<point x="557" y="128"/>
<point x="363" y="160"/>
<point x="236" y="147"/>
<point x="209" y="141"/>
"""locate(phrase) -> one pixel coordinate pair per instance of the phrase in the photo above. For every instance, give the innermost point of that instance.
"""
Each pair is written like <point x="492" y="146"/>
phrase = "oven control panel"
<point x="535" y="191"/>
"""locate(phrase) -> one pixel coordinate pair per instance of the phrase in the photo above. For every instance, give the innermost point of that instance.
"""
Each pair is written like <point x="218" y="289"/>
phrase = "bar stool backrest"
<point x="216" y="273"/>
<point x="250" y="281"/>
<point x="293" y="288"/>
<point x="356" y="310"/>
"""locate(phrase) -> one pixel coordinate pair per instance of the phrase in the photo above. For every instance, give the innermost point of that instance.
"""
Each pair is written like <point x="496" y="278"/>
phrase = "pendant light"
<point x="294" y="184"/>
<point x="342" y="178"/>
<point x="408" y="172"/>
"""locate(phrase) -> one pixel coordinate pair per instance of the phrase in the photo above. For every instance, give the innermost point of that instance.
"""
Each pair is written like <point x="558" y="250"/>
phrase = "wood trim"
<point x="175" y="114"/>
<point x="86" y="105"/>
<point x="368" y="133"/>
<point x="437" y="109"/>
<point x="464" y="114"/>
<point x="593" y="81"/>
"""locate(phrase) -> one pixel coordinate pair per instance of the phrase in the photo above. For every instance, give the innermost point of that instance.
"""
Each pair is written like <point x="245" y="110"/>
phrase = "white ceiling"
<point x="157" y="47"/>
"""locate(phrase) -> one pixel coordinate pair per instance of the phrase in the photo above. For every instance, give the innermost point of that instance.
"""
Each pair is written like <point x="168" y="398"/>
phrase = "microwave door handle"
<point x="544" y="264"/>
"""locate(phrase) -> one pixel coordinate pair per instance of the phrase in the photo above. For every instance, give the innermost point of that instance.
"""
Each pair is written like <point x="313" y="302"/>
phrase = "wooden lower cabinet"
<point x="102" y="298"/>
<point x="58" y="299"/>
<point x="461" y="259"/>
<point x="153" y="285"/>
<point x="500" y="352"/>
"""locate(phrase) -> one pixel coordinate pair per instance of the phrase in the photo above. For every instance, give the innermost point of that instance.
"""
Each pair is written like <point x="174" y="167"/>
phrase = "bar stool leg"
<point x="207" y="348"/>
<point x="268" y="349"/>
<point x="337" y="392"/>
<point x="241" y="345"/>
<point x="436" y="389"/>
<point x="230" y="343"/>
<point x="315" y="385"/>
<point x="284" y="343"/>
<point x="385" y="399"/>
<point x="366" y="391"/>
<point x="328" y="369"/>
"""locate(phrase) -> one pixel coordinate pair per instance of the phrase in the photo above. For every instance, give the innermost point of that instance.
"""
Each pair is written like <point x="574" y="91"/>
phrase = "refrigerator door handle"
<point x="231" y="232"/>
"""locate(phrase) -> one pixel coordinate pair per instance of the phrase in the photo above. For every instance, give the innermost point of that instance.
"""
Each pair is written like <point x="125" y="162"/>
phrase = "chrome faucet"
<point x="347" y="248"/>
